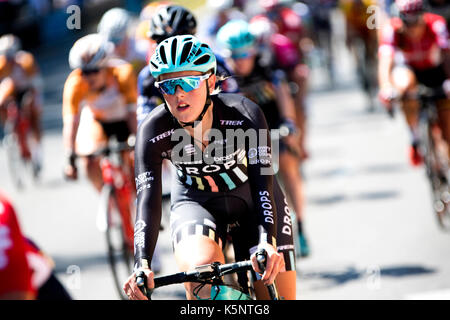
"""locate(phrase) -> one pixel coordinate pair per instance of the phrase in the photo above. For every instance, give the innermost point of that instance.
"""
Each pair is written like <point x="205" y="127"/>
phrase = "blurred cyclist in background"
<point x="222" y="12"/>
<point x="270" y="90"/>
<point x="99" y="101"/>
<point x="414" y="50"/>
<point x="321" y="31"/>
<point x="143" y="27"/>
<point x="21" y="83"/>
<point x="284" y="41"/>
<point x="115" y="26"/>
<point x="25" y="271"/>
<point x="362" y="41"/>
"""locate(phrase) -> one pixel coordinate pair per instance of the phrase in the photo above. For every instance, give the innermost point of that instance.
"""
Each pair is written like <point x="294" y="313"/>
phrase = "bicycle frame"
<point x="120" y="182"/>
<point x="19" y="125"/>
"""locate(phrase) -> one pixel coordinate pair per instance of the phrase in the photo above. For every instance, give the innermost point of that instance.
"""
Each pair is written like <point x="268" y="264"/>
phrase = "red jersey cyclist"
<point x="414" y="49"/>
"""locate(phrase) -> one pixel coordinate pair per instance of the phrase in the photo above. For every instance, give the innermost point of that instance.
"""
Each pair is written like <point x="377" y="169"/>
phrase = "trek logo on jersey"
<point x="162" y="136"/>
<point x="231" y="122"/>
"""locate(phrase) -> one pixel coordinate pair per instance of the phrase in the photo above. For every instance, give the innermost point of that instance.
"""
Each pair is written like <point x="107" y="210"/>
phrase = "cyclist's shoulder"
<point x="157" y="120"/>
<point x="432" y="18"/>
<point x="121" y="69"/>
<point x="239" y="105"/>
<point x="75" y="82"/>
<point x="25" y="59"/>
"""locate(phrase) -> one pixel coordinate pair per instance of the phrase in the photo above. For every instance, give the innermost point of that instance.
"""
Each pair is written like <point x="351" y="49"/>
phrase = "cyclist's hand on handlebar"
<point x="386" y="95"/>
<point x="131" y="288"/>
<point x="292" y="142"/>
<point x="274" y="264"/>
<point x="70" y="172"/>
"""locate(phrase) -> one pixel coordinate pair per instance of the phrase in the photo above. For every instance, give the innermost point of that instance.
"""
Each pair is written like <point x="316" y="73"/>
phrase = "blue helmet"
<point x="182" y="53"/>
<point x="235" y="37"/>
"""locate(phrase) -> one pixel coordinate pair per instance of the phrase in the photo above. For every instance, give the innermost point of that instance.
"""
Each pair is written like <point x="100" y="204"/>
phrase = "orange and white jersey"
<point x="22" y="72"/>
<point x="109" y="105"/>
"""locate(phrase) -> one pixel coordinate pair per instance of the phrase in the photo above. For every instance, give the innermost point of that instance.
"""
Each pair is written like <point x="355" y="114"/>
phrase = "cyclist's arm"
<point x="128" y="87"/>
<point x="260" y="173"/>
<point x="6" y="89"/>
<point x="386" y="52"/>
<point x="285" y="102"/>
<point x="72" y="96"/>
<point x="148" y="162"/>
<point x="261" y="176"/>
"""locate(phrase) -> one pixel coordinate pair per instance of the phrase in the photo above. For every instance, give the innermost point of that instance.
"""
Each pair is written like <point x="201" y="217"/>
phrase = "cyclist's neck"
<point x="201" y="128"/>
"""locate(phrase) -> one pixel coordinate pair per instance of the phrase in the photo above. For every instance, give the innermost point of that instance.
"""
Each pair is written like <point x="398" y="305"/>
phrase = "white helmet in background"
<point x="114" y="25"/>
<point x="90" y="52"/>
<point x="220" y="5"/>
<point x="9" y="45"/>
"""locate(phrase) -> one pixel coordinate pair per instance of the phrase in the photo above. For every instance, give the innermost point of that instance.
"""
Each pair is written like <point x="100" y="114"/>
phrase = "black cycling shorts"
<point x="431" y="78"/>
<point x="119" y="129"/>
<point x="218" y="215"/>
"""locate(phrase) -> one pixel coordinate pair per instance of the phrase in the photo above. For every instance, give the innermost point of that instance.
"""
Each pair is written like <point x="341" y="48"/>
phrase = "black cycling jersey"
<point x="226" y="163"/>
<point x="258" y="86"/>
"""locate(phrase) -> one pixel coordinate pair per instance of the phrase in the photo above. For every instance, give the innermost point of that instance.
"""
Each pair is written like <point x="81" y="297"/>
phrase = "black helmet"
<point x="170" y="21"/>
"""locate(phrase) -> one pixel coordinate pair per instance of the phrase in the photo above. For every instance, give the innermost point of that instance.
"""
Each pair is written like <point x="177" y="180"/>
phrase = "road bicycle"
<point x="435" y="153"/>
<point x="117" y="209"/>
<point x="23" y="165"/>
<point x="212" y="274"/>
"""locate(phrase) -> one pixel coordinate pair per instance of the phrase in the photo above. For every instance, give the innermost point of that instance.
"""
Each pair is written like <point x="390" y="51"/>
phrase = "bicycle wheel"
<point x="16" y="165"/>
<point x="436" y="169"/>
<point x="120" y="254"/>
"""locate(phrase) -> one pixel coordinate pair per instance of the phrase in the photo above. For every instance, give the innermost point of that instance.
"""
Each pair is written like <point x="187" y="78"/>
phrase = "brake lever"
<point x="261" y="258"/>
<point x="141" y="281"/>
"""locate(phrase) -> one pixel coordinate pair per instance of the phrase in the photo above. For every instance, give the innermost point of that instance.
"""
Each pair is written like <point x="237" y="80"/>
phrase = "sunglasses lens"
<point x="186" y="83"/>
<point x="410" y="19"/>
<point x="89" y="71"/>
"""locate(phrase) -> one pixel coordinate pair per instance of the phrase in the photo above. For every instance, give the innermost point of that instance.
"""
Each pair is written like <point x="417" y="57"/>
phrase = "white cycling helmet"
<point x="114" y="24"/>
<point x="89" y="52"/>
<point x="220" y="4"/>
<point x="9" y="45"/>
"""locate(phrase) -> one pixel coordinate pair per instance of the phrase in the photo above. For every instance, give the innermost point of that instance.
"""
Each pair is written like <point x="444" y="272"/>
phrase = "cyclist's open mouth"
<point x="182" y="107"/>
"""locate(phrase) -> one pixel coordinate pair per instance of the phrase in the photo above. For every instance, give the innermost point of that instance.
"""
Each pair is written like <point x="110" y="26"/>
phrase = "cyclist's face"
<point x="243" y="66"/>
<point x="95" y="80"/>
<point x="414" y="25"/>
<point x="187" y="106"/>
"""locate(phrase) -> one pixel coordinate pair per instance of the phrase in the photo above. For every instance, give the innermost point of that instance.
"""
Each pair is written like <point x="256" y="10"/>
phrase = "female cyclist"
<point x="222" y="186"/>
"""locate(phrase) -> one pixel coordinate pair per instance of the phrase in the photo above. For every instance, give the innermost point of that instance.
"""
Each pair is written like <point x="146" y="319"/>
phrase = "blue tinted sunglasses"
<point x="187" y="84"/>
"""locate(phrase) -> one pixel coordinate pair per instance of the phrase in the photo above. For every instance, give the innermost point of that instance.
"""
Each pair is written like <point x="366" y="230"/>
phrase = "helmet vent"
<point x="185" y="53"/>
<point x="202" y="60"/>
<point x="174" y="50"/>
<point x="162" y="53"/>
